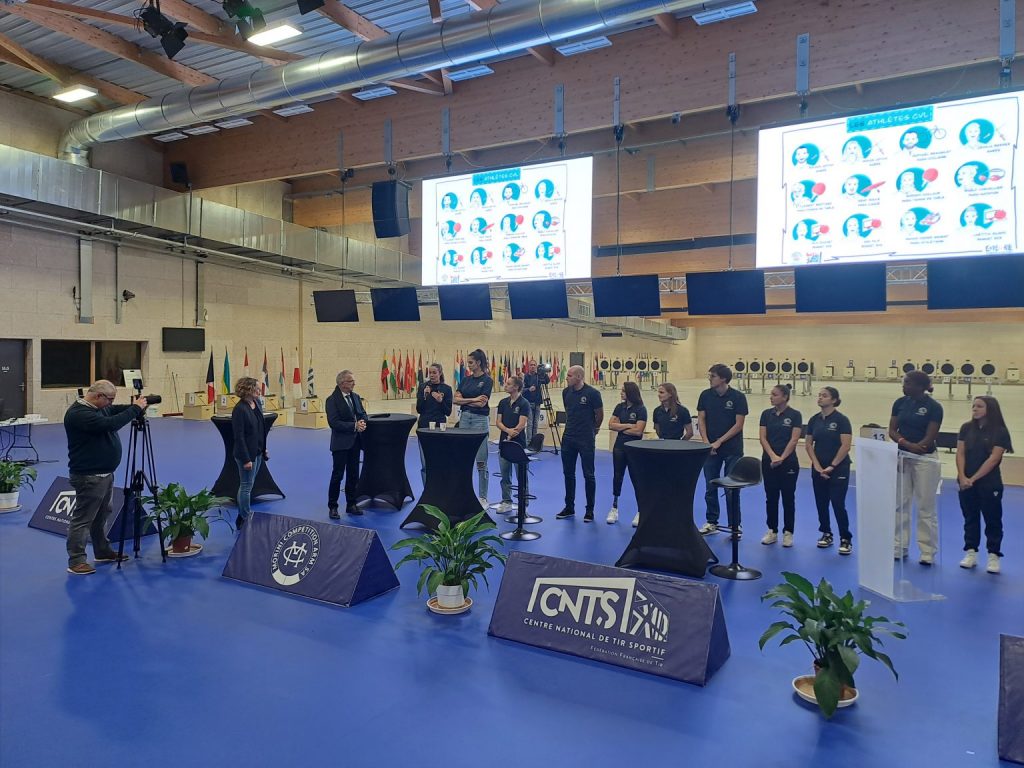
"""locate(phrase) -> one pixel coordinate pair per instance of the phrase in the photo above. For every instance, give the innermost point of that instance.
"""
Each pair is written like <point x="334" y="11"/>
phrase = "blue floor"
<point x="173" y="665"/>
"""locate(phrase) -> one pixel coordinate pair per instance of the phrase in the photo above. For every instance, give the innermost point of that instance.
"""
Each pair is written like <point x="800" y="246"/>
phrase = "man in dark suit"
<point x="347" y="419"/>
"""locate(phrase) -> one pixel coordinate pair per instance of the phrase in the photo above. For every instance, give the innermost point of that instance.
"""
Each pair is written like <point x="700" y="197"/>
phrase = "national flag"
<point x="393" y="375"/>
<point x="280" y="378"/>
<point x="384" y="376"/>
<point x="245" y="363"/>
<point x="410" y="377"/>
<point x="462" y="368"/>
<point x="210" y="393"/>
<point x="297" y="378"/>
<point x="310" y="377"/>
<point x="227" y="372"/>
<point x="264" y="375"/>
<point x="420" y="374"/>
<point x="455" y="372"/>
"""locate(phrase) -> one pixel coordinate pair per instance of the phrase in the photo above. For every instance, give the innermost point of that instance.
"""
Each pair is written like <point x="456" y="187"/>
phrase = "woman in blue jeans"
<point x="473" y="396"/>
<point x="250" y="442"/>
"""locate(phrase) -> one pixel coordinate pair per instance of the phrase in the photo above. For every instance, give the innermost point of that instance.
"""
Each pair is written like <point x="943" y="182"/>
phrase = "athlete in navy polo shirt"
<point x="721" y="411"/>
<point x="628" y="421"/>
<point x="473" y="397"/>
<point x="513" y="416"/>
<point x="914" y="424"/>
<point x="584" y="413"/>
<point x="829" y="436"/>
<point x="779" y="433"/>
<point x="672" y="420"/>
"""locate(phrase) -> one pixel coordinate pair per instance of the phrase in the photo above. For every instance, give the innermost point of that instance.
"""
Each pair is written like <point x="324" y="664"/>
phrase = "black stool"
<point x="745" y="473"/>
<point x="513" y="453"/>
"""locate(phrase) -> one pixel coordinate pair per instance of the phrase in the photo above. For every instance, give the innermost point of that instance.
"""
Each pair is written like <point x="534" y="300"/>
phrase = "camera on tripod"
<point x="150" y="399"/>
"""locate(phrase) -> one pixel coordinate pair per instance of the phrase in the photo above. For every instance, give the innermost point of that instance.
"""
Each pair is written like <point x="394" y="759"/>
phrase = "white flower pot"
<point x="450" y="597"/>
<point x="8" y="500"/>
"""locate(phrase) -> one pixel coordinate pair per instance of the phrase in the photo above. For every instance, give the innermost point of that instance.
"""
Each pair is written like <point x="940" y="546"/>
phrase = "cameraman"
<point x="533" y="391"/>
<point x="94" y="453"/>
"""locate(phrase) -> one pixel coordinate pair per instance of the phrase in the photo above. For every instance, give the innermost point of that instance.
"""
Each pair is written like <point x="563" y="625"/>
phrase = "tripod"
<point x="136" y="481"/>
<point x="549" y="410"/>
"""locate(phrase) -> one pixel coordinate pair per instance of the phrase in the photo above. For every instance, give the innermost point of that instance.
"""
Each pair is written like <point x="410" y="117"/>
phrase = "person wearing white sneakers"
<point x="829" y="437"/>
<point x="979" y="450"/>
<point x="513" y="416"/>
<point x="628" y="421"/>
<point x="473" y="397"/>
<point x="779" y="433"/>
<point x="721" y="411"/>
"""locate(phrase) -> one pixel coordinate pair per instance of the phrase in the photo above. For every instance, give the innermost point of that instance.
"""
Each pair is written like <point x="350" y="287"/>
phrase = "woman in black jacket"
<point x="433" y="404"/>
<point x="250" y="444"/>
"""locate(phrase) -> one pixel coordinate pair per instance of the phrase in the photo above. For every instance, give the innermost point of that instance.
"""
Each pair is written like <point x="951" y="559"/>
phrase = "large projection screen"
<point x="529" y="222"/>
<point x="927" y="181"/>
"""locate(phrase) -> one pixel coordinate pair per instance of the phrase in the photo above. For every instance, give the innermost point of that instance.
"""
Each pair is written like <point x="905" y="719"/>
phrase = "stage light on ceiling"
<point x="75" y="93"/>
<point x="308" y="6"/>
<point x="172" y="34"/>
<point x="275" y="34"/>
<point x="248" y="19"/>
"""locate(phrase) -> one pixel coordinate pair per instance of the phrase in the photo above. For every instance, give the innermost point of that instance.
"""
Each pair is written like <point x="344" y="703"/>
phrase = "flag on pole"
<point x="297" y="378"/>
<point x="384" y="376"/>
<point x="264" y="375"/>
<point x="210" y="393"/>
<point x="410" y="375"/>
<point x="227" y="372"/>
<point x="310" y="377"/>
<point x="280" y="379"/>
<point x="393" y="375"/>
<point x="245" y="363"/>
<point x="420" y="375"/>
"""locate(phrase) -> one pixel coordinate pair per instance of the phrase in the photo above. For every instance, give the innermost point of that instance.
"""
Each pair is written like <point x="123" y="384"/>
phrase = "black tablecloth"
<point x="383" y="473"/>
<point x="451" y="461"/>
<point x="227" y="483"/>
<point x="664" y="475"/>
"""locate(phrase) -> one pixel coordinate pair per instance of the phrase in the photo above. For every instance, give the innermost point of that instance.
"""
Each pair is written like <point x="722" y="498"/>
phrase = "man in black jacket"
<point x="94" y="453"/>
<point x="347" y="419"/>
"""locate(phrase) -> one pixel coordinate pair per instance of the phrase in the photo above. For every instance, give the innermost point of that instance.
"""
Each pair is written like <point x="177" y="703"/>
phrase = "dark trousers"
<point x="713" y="466"/>
<point x="979" y="501"/>
<point x="832" y="491"/>
<point x="92" y="506"/>
<point x="780" y="481"/>
<point x="346" y="464"/>
<point x="619" y="466"/>
<point x="571" y="449"/>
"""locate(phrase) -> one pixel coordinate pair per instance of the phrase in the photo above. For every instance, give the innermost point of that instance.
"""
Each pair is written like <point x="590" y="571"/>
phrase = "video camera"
<point x="150" y="399"/>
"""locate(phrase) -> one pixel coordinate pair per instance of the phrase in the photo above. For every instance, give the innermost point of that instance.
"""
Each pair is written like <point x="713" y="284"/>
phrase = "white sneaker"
<point x="993" y="563"/>
<point x="613" y="516"/>
<point x="505" y="506"/>
<point x="636" y="519"/>
<point x="708" y="528"/>
<point x="483" y="501"/>
<point x="926" y="559"/>
<point x="970" y="559"/>
<point x="787" y="539"/>
<point x="770" y="537"/>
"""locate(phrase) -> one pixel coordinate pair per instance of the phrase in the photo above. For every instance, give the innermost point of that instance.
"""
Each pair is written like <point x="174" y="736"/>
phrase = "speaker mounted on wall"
<point x="179" y="175"/>
<point x="390" y="203"/>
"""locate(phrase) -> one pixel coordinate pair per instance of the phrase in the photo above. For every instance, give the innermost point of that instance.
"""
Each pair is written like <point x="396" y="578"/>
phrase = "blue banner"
<point x="497" y="177"/>
<point x="53" y="513"/>
<point x="1011" y="698"/>
<point x="322" y="561"/>
<point x="648" y="622"/>
<point x="892" y="118"/>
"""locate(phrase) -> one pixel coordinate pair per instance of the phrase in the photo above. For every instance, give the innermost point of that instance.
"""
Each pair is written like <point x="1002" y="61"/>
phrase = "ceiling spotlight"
<point x="75" y="93"/>
<point x="248" y="19"/>
<point x="308" y="6"/>
<point x="172" y="34"/>
<point x="275" y="34"/>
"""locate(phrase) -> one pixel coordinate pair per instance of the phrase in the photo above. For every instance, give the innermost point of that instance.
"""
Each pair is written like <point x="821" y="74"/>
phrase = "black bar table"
<point x="450" y="457"/>
<point x="227" y="482"/>
<point x="664" y="475"/>
<point x="383" y="474"/>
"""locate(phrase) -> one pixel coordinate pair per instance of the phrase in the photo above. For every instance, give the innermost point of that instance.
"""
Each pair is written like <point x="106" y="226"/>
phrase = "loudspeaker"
<point x="179" y="174"/>
<point x="390" y="209"/>
<point x="575" y="358"/>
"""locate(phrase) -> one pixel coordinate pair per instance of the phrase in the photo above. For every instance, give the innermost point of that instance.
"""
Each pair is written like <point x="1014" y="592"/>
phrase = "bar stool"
<point x="745" y="473"/>
<point x="513" y="453"/>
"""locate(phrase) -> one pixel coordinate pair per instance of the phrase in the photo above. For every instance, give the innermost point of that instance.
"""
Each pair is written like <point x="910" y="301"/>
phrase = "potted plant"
<point x="835" y="631"/>
<point x="184" y="515"/>
<point x="453" y="556"/>
<point x="13" y="475"/>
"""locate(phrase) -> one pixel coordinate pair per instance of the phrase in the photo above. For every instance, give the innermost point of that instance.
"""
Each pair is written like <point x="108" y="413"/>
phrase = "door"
<point x="12" y="378"/>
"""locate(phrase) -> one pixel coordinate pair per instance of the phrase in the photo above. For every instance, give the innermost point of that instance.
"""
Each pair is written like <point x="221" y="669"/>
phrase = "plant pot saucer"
<point x="804" y="688"/>
<point x="5" y="510"/>
<point x="433" y="606"/>
<point x="193" y="549"/>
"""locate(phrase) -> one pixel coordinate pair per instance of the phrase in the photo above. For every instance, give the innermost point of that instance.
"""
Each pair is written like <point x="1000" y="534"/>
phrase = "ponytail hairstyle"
<point x="922" y="380"/>
<point x="440" y="371"/>
<point x="835" y="395"/>
<point x="785" y="389"/>
<point x="481" y="357"/>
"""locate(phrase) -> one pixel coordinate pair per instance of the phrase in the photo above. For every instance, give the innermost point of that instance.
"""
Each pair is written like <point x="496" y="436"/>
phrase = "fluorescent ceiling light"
<point x="75" y="93"/>
<point x="376" y="92"/>
<point x="571" y="49"/>
<point x="199" y="130"/>
<point x="721" y="14"/>
<point x="470" y="72"/>
<point x="173" y="136"/>
<point x="275" y="34"/>
<point x="294" y="109"/>
<point x="234" y="122"/>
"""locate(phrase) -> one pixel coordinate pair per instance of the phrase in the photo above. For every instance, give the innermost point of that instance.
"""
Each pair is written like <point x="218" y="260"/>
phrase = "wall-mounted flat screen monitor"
<point x="335" y="306"/>
<point x="528" y="222"/>
<point x="184" y="339"/>
<point x="627" y="296"/>
<point x="538" y="300"/>
<point x="841" y="288"/>
<point x="987" y="281"/>
<point x="395" y="305"/>
<point x="725" y="293"/>
<point x="926" y="181"/>
<point x="464" y="302"/>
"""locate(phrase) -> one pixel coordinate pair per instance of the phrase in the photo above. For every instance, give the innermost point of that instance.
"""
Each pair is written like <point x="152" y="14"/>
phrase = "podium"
<point x="882" y="472"/>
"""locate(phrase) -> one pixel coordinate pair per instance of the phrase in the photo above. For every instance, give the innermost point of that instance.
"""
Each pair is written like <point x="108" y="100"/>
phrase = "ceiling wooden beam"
<point x="416" y="86"/>
<point x="668" y="24"/>
<point x="33" y="62"/>
<point x="435" y="11"/>
<point x="343" y="16"/>
<point x="543" y="53"/>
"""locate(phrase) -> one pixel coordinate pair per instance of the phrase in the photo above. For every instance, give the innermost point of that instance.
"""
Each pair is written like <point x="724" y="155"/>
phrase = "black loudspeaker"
<point x="179" y="174"/>
<point x="390" y="209"/>
<point x="576" y="358"/>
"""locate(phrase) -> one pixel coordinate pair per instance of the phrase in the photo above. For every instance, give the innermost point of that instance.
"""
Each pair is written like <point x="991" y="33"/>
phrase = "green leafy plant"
<point x="453" y="555"/>
<point x="183" y="514"/>
<point x="15" y="474"/>
<point x="835" y="631"/>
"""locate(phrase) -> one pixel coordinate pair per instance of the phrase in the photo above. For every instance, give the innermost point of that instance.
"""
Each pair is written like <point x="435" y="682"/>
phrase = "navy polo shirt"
<point x="580" y="405"/>
<point x="825" y="430"/>
<point x="720" y="412"/>
<point x="510" y="412"/>
<point x="669" y="427"/>
<point x="628" y="414"/>
<point x="978" y="445"/>
<point x="474" y="386"/>
<point x="779" y="427"/>
<point x="914" y="416"/>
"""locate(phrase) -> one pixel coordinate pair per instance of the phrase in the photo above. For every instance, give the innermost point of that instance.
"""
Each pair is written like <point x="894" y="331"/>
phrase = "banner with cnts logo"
<point x="647" y="622"/>
<point x="53" y="514"/>
<point x="1011" y="698"/>
<point x="332" y="563"/>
